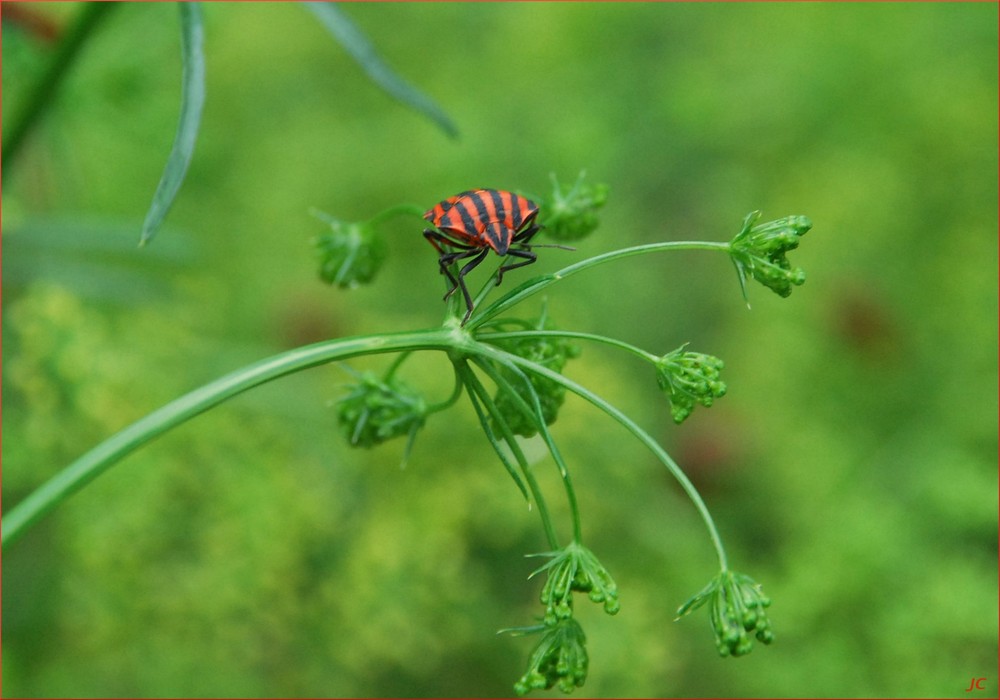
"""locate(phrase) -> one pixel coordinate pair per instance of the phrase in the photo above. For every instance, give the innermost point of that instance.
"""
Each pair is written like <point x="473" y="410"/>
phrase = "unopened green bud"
<point x="559" y="659"/>
<point x="351" y="253"/>
<point x="759" y="250"/>
<point x="576" y="568"/>
<point x="688" y="378"/>
<point x="375" y="411"/>
<point x="737" y="611"/>
<point x="571" y="214"/>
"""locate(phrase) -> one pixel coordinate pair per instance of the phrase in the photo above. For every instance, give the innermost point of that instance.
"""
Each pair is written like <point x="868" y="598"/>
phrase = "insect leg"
<point x="528" y="256"/>
<point x="527" y="234"/>
<point x="469" y="266"/>
<point x="442" y="244"/>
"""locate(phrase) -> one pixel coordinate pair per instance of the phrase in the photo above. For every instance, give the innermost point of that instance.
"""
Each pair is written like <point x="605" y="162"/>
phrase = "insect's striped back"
<point x="484" y="217"/>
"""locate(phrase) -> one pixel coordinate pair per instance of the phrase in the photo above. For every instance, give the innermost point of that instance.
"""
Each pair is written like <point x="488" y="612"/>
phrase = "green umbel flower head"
<point x="688" y="378"/>
<point x="559" y="659"/>
<point x="571" y="214"/>
<point x="737" y="607"/>
<point x="759" y="250"/>
<point x="575" y="568"/>
<point x="351" y="253"/>
<point x="375" y="410"/>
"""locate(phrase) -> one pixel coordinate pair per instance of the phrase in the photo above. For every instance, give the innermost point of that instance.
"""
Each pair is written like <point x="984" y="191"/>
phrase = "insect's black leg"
<point x="528" y="256"/>
<point x="442" y="244"/>
<point x="449" y="258"/>
<point x="527" y="234"/>
<point x="469" y="266"/>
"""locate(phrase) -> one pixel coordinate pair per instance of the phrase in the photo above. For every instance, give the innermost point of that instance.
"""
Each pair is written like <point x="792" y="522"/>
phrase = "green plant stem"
<point x="613" y="342"/>
<point x="488" y="285"/>
<point x="535" y="414"/>
<point x="498" y="355"/>
<point x="90" y="17"/>
<point x="474" y="385"/>
<point x="396" y="363"/>
<point x="484" y="422"/>
<point x="456" y="392"/>
<point x="98" y="460"/>
<point x="535" y="285"/>
<point x="450" y="338"/>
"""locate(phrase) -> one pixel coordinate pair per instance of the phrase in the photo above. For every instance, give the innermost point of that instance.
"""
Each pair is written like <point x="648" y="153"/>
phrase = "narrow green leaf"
<point x="192" y="102"/>
<point x="362" y="51"/>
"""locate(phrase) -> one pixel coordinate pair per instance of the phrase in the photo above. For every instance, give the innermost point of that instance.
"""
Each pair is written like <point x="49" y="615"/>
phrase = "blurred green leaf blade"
<point x="362" y="51"/>
<point x="192" y="104"/>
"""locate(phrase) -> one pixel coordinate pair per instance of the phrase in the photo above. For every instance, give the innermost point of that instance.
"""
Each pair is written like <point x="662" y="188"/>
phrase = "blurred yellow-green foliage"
<point x="851" y="468"/>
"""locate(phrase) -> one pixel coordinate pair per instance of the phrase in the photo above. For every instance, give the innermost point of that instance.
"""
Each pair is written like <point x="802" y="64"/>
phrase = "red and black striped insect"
<point x="475" y="222"/>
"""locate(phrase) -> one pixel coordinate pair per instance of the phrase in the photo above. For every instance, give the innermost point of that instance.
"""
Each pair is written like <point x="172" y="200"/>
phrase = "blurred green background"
<point x="851" y="469"/>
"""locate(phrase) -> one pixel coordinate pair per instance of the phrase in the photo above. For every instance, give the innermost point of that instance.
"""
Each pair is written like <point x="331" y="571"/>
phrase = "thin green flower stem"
<point x="472" y="381"/>
<point x="498" y="355"/>
<point x="614" y="342"/>
<point x="535" y="285"/>
<point x="95" y="462"/>
<point x="535" y="414"/>
<point x="488" y="286"/>
<point x="90" y="17"/>
<point x="391" y="371"/>
<point x="456" y="392"/>
<point x="481" y="413"/>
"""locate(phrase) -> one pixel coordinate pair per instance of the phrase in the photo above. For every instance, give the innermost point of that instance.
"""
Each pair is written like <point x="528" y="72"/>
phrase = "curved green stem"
<point x="396" y="364"/>
<point x="484" y="421"/>
<point x="613" y="342"/>
<point x="98" y="460"/>
<point x="630" y="425"/>
<point x="487" y="287"/>
<point x="456" y="392"/>
<point x="533" y="286"/>
<point x="90" y="17"/>
<point x="475" y="386"/>
<point x="450" y="338"/>
<point x="535" y="413"/>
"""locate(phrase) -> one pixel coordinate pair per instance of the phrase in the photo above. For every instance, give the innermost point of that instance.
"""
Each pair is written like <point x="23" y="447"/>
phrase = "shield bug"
<point x="475" y="222"/>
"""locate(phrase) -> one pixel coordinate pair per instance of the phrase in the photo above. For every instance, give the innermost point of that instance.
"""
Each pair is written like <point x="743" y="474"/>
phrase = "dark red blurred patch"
<point x="29" y="20"/>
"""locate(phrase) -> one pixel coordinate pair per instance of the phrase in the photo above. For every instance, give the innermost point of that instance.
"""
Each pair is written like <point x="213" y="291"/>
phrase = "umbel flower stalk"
<point x="511" y="369"/>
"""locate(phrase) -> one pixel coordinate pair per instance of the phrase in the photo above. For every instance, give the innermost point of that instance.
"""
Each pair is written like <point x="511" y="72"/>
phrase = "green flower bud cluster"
<point x="571" y="214"/>
<point x="548" y="352"/>
<point x="737" y="610"/>
<point x="575" y="568"/>
<point x="350" y="253"/>
<point x="559" y="659"/>
<point x="375" y="411"/>
<point x="688" y="378"/>
<point x="760" y="251"/>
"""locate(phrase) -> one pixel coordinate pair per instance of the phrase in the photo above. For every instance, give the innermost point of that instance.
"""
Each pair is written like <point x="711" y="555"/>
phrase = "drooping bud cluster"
<point x="759" y="250"/>
<point x="375" y="410"/>
<point x="575" y="568"/>
<point x="571" y="214"/>
<point x="350" y="253"/>
<point x="559" y="659"/>
<point x="688" y="378"/>
<point x="737" y="609"/>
